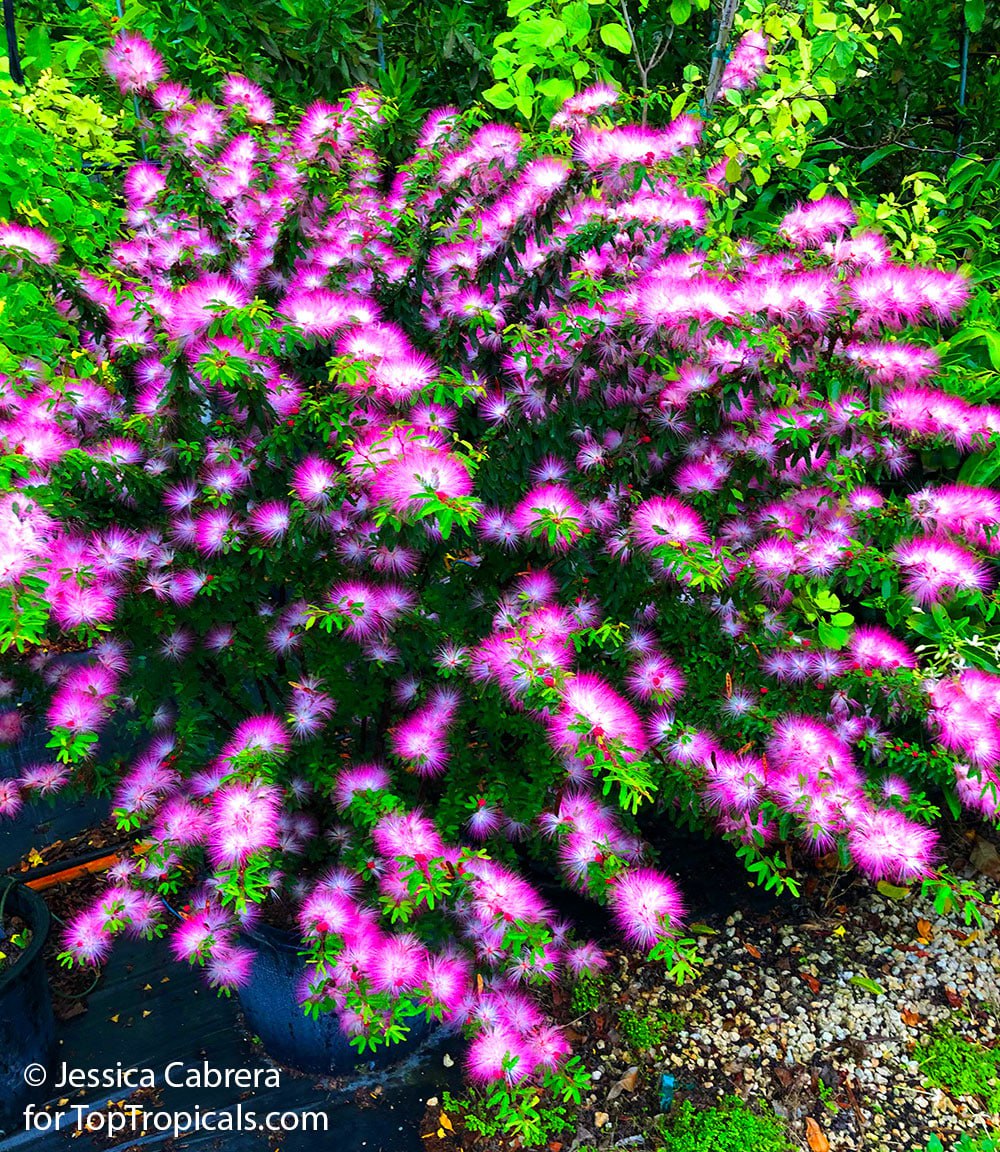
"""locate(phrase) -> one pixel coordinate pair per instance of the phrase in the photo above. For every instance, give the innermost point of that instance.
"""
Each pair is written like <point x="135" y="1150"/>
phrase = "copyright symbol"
<point x="34" y="1075"/>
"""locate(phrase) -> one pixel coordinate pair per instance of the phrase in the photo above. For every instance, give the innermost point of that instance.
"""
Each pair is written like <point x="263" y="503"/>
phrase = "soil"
<point x="15" y="936"/>
<point x="69" y="985"/>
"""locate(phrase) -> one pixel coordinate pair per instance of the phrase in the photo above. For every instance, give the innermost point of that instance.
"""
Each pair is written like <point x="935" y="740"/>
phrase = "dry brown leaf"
<point x="445" y="1122"/>
<point x="754" y="952"/>
<point x="910" y="1018"/>
<point x="811" y="981"/>
<point x="925" y="930"/>
<point x="814" y="1136"/>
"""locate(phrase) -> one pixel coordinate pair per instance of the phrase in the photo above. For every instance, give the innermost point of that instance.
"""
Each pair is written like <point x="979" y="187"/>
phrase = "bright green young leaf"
<point x="500" y="96"/>
<point x="616" y="36"/>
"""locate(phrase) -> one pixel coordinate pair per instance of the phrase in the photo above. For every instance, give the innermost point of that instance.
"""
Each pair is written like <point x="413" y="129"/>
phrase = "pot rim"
<point x="34" y="909"/>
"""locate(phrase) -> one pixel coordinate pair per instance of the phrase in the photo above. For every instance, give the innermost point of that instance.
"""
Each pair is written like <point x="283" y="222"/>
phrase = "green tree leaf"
<point x="616" y="36"/>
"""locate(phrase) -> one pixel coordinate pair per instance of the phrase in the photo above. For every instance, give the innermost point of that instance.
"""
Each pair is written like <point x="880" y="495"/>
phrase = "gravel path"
<point x="815" y="1012"/>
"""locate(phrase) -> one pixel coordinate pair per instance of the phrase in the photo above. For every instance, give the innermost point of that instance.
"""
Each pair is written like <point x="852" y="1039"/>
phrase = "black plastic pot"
<point x="27" y="1026"/>
<point x="273" y="1013"/>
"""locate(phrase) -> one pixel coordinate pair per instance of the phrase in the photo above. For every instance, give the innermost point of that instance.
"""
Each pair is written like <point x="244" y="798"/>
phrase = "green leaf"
<point x="893" y="891"/>
<point x="616" y="36"/>
<point x="557" y="88"/>
<point x="74" y="50"/>
<point x="545" y="33"/>
<point x="680" y="11"/>
<point x="516" y="7"/>
<point x="500" y="96"/>
<point x="823" y="20"/>
<point x="867" y="984"/>
<point x="879" y="154"/>
<point x="576" y="17"/>
<point x="733" y="170"/>
<point x="975" y="14"/>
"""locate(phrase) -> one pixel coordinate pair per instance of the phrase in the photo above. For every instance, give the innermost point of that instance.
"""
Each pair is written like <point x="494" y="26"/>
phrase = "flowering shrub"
<point x="437" y="521"/>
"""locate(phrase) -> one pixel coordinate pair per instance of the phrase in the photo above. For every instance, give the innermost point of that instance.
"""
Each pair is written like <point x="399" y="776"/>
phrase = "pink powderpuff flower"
<point x="313" y="481"/>
<point x="239" y="92"/>
<point x="265" y="733"/>
<point x="406" y="482"/>
<point x="584" y="960"/>
<point x="734" y="784"/>
<point x="421" y="740"/>
<point x="655" y="678"/>
<point x="646" y="905"/>
<point x="745" y="64"/>
<point x="497" y="1054"/>
<point x="398" y="965"/>
<point x="812" y="222"/>
<point x="802" y="741"/>
<point x="309" y="711"/>
<point x="214" y="531"/>
<point x="486" y="820"/>
<point x="591" y="704"/>
<point x="935" y="569"/>
<point x="202" y="930"/>
<point x="134" y="63"/>
<point x="85" y="937"/>
<point x="977" y="788"/>
<point x="552" y="514"/>
<point x="330" y="913"/>
<point x="229" y="967"/>
<point x="663" y="520"/>
<point x="886" y="846"/>
<point x="446" y="981"/>
<point x="43" y="779"/>
<point x="181" y="823"/>
<point x="21" y="241"/>
<point x="895" y="788"/>
<point x="317" y="311"/>
<point x="244" y="821"/>
<point x="407" y="834"/>
<point x="501" y="897"/>
<point x="10" y="798"/>
<point x="360" y="778"/>
<point x="11" y="725"/>
<point x="874" y="648"/>
<point x="546" y="1048"/>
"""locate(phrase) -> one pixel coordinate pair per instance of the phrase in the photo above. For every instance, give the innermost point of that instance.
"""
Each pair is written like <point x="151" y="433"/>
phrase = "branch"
<point x="726" y="19"/>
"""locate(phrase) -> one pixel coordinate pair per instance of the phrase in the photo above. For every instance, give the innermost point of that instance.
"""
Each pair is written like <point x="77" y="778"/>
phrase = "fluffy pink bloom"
<point x="646" y="906"/>
<point x="10" y="798"/>
<point x="265" y="733"/>
<point x="663" y="520"/>
<point x="887" y="846"/>
<point x="270" y="520"/>
<point x="552" y="514"/>
<point x="20" y="241"/>
<point x="313" y="481"/>
<point x="360" y="778"/>
<point x="592" y="712"/>
<point x="134" y="63"/>
<point x="872" y="648"/>
<point x="405" y="482"/>
<point x="935" y="568"/>
<point x="229" y="966"/>
<point x="811" y="222"/>
<point x="85" y="937"/>
<point x="244" y="821"/>
<point x="496" y="1054"/>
